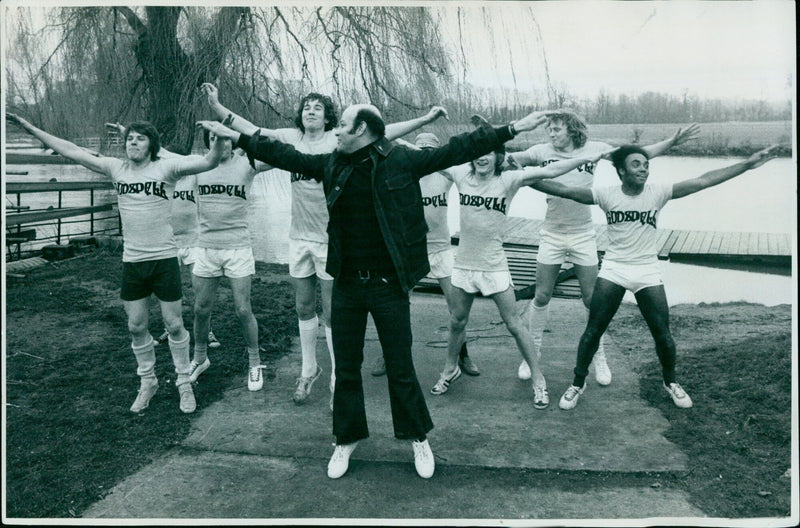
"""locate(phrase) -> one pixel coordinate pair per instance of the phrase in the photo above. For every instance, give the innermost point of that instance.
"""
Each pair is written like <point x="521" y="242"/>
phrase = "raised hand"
<point x="763" y="156"/>
<point x="115" y="127"/>
<point x="14" y="119"/>
<point x="684" y="135"/>
<point x="533" y="120"/>
<point x="435" y="113"/>
<point x="219" y="130"/>
<point x="478" y="121"/>
<point x="211" y="93"/>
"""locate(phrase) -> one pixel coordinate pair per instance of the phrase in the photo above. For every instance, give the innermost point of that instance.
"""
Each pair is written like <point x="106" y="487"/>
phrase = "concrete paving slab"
<point x="486" y="421"/>
<point x="213" y="485"/>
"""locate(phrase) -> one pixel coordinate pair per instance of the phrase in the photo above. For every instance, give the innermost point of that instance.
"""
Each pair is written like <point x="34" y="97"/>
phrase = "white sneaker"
<point x="541" y="399"/>
<point x="570" y="398"/>
<point x="195" y="369"/>
<point x="304" y="385"/>
<point x="188" y="403"/>
<point x="524" y="371"/>
<point x="601" y="371"/>
<point x="147" y="389"/>
<point x="254" y="378"/>
<point x="423" y="458"/>
<point x="444" y="382"/>
<point x="340" y="460"/>
<point x="678" y="395"/>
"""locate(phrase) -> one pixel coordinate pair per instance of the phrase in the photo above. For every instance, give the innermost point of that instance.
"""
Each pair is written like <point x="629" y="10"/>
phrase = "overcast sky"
<point x="713" y="49"/>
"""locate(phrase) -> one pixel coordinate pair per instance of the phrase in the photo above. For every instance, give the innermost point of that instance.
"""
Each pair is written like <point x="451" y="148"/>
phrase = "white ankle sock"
<point x="539" y="315"/>
<point x="308" y="345"/>
<point x="145" y="358"/>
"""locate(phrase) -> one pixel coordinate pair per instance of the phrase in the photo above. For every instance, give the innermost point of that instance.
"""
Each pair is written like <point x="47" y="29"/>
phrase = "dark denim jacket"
<point x="396" y="171"/>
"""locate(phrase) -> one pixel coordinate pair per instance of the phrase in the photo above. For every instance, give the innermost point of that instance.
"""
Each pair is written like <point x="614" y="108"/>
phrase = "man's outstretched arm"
<point x="715" y="177"/>
<point x="234" y="121"/>
<point x="578" y="194"/>
<point x="396" y="130"/>
<point x="681" y="136"/>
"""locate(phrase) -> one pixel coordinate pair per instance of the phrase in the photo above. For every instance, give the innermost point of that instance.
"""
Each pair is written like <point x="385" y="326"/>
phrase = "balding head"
<point x="361" y="124"/>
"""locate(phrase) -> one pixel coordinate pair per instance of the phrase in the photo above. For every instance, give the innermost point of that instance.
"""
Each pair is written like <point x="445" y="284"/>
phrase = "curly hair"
<point x="619" y="156"/>
<point x="330" y="111"/>
<point x="576" y="126"/>
<point x="146" y="129"/>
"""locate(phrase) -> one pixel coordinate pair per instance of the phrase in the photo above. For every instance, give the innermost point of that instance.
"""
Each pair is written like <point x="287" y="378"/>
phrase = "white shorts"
<point x="578" y="248"/>
<point x="633" y="277"/>
<point x="231" y="263"/>
<point x="308" y="258"/>
<point x="187" y="256"/>
<point x="441" y="264"/>
<point x="485" y="282"/>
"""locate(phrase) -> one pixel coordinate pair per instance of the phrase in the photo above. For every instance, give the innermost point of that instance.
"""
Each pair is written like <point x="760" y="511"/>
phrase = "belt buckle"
<point x="364" y="275"/>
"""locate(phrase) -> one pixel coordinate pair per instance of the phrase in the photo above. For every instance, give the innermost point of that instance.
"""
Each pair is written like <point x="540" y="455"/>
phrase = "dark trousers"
<point x="390" y="309"/>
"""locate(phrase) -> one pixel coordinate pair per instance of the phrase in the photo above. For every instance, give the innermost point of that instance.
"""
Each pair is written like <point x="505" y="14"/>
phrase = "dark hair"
<point x="499" y="160"/>
<point x="146" y="129"/>
<point x="330" y="111"/>
<point x="372" y="119"/>
<point x="576" y="126"/>
<point x="619" y="156"/>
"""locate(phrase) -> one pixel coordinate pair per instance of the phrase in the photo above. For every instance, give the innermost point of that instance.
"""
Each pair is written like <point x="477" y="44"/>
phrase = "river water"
<point x="763" y="200"/>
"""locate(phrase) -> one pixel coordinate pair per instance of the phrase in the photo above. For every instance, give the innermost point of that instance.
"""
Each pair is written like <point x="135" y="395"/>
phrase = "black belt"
<point x="369" y="276"/>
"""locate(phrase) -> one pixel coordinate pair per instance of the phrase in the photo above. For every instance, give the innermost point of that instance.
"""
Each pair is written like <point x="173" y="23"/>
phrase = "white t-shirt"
<point x="435" y="188"/>
<point x="483" y="208"/>
<point x="564" y="215"/>
<point x="222" y="204"/>
<point x="309" y="207"/>
<point x="183" y="216"/>
<point x="632" y="221"/>
<point x="143" y="197"/>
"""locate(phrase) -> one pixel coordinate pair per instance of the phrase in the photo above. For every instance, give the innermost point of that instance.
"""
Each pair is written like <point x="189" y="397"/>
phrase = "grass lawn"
<point x="71" y="378"/>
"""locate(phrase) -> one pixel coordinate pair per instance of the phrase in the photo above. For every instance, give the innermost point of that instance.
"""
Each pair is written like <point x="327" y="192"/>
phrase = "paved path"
<point x="258" y="456"/>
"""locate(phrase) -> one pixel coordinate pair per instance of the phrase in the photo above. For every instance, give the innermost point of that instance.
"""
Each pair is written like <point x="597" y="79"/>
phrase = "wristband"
<point x="228" y="121"/>
<point x="511" y="129"/>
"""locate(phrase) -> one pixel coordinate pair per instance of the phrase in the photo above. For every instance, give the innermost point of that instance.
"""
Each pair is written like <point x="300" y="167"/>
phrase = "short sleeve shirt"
<point x="435" y="188"/>
<point x="483" y="208"/>
<point x="632" y="221"/>
<point x="143" y="197"/>
<point x="222" y="204"/>
<point x="309" y="207"/>
<point x="564" y="215"/>
<point x="183" y="217"/>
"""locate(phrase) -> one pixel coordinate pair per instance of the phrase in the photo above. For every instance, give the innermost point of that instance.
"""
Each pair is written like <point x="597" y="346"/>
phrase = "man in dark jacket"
<point x="377" y="252"/>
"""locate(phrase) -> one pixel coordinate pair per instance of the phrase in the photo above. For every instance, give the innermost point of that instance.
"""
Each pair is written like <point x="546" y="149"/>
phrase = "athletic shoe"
<point x="601" y="371"/>
<point x="163" y="337"/>
<point x="423" y="459"/>
<point x="147" y="389"/>
<point x="304" y="386"/>
<point x="340" y="460"/>
<point x="570" y="398"/>
<point x="541" y="399"/>
<point x="254" y="378"/>
<point x="213" y="342"/>
<point x="188" y="404"/>
<point x="678" y="395"/>
<point x="195" y="369"/>
<point x="444" y="382"/>
<point x="524" y="371"/>
<point x="468" y="366"/>
<point x="379" y="368"/>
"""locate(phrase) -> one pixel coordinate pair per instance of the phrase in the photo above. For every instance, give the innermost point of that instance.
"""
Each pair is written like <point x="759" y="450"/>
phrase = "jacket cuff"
<point x="243" y="142"/>
<point x="503" y="133"/>
<point x="249" y="144"/>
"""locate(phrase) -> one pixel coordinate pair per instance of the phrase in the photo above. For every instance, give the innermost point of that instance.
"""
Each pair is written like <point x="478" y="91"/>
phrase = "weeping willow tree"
<point x="88" y="65"/>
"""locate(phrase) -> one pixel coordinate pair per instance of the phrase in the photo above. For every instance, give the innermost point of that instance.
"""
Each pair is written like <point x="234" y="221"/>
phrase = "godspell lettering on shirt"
<point x="296" y="176"/>
<point x="155" y="188"/>
<point x="230" y="190"/>
<point x="586" y="167"/>
<point x="643" y="217"/>
<point x="184" y="195"/>
<point x="487" y="202"/>
<point x="439" y="200"/>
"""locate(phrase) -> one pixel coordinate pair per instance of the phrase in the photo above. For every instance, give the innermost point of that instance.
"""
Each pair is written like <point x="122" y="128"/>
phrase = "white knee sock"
<point x="601" y="351"/>
<point x="308" y="345"/>
<point x="329" y="340"/>
<point x="538" y="321"/>
<point x="180" y="358"/>
<point x="145" y="359"/>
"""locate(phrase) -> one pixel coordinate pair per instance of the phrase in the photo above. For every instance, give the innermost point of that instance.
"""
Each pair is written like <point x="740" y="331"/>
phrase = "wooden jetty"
<point x="763" y="252"/>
